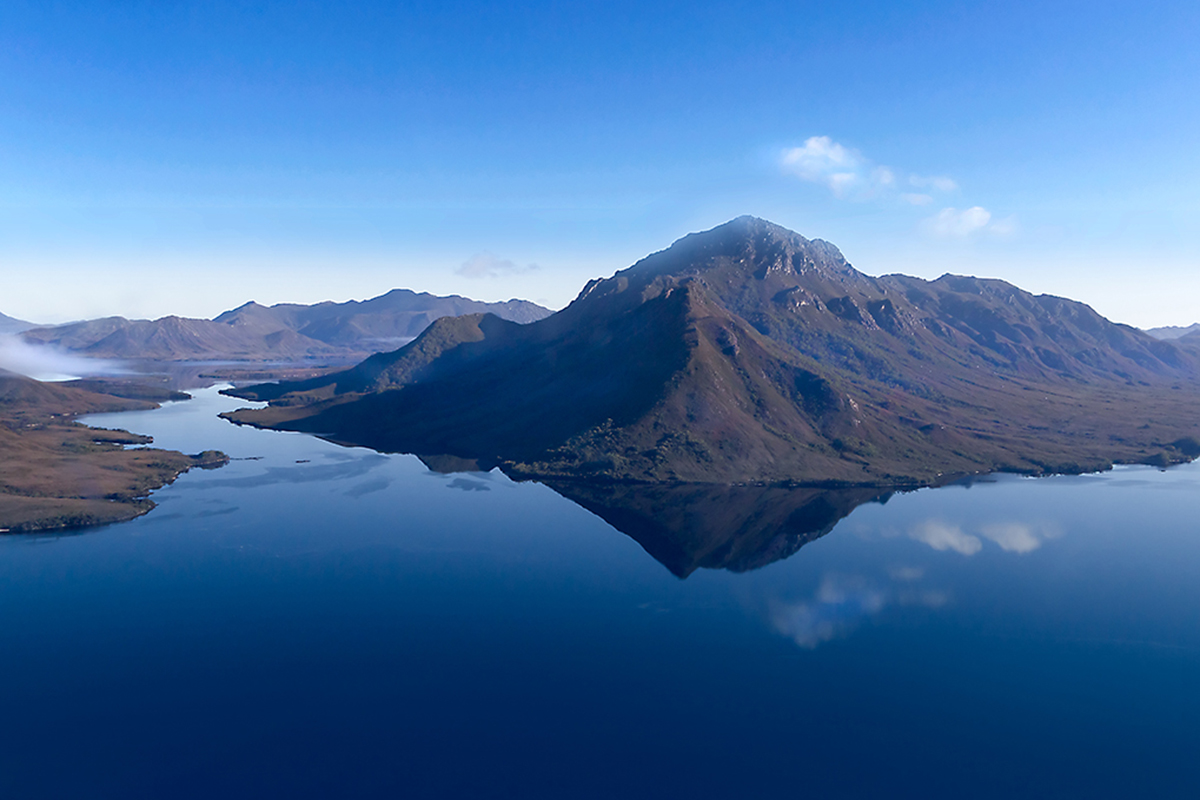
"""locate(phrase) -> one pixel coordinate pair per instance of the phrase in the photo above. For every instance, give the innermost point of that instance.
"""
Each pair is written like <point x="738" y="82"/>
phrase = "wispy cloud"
<point x="938" y="182"/>
<point x="952" y="223"/>
<point x="850" y="175"/>
<point x="489" y="265"/>
<point x="822" y="160"/>
<point x="916" y="199"/>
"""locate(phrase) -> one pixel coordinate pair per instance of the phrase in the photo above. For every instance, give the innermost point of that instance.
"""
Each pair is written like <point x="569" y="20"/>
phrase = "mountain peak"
<point x="744" y="245"/>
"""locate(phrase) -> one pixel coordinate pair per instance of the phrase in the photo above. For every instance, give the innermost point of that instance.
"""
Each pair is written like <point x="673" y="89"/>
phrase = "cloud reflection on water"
<point x="943" y="536"/>
<point x="1012" y="537"/>
<point x="843" y="602"/>
<point x="837" y="608"/>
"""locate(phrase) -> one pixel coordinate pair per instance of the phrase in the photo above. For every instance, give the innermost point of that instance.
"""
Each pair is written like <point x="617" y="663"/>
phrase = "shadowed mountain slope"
<point x="751" y="354"/>
<point x="285" y="332"/>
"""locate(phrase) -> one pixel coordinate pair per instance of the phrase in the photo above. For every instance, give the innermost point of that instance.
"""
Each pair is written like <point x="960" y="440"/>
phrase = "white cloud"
<point x="952" y="223"/>
<point x="842" y="169"/>
<point x="851" y="175"/>
<point x="820" y="157"/>
<point x="941" y="536"/>
<point x="488" y="265"/>
<point x="842" y="182"/>
<point x="883" y="176"/>
<point x="939" y="182"/>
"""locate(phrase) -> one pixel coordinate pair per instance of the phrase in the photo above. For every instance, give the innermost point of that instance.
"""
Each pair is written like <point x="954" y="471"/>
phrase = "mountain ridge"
<point x="286" y="331"/>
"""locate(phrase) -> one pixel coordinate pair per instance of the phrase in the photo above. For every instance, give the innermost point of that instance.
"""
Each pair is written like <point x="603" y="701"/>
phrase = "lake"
<point x="320" y="621"/>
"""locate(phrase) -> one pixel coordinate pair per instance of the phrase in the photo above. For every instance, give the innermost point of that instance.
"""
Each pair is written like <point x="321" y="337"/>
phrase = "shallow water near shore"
<point x="317" y="621"/>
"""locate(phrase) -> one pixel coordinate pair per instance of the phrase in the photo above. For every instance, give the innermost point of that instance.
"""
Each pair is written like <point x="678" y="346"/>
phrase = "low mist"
<point x="46" y="363"/>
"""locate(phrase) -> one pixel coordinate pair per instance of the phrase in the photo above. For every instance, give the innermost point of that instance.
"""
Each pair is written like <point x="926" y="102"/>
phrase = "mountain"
<point x="12" y="325"/>
<point x="281" y="332"/>
<point x="749" y="353"/>
<point x="1172" y="332"/>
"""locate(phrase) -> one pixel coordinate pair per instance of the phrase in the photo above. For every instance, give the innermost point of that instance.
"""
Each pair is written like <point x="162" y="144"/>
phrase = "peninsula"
<point x="56" y="473"/>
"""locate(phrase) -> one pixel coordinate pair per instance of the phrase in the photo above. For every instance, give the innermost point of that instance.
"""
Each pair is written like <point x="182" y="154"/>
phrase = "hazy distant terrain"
<point x="1187" y="337"/>
<point x="748" y="353"/>
<point x="280" y="332"/>
<point x="1172" y="332"/>
<point x="11" y="325"/>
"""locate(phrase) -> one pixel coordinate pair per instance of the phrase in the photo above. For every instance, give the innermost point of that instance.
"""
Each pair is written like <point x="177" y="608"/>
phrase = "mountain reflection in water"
<point x="738" y="528"/>
<point x="689" y="526"/>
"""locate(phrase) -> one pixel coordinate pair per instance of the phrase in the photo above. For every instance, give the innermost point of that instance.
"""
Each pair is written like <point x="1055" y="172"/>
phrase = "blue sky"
<point x="182" y="158"/>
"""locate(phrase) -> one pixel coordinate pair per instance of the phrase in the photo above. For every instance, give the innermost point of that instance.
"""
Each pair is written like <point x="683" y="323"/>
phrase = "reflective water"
<point x="331" y="622"/>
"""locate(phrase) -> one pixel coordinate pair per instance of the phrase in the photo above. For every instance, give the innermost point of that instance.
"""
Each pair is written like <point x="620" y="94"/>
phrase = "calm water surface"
<point x="331" y="622"/>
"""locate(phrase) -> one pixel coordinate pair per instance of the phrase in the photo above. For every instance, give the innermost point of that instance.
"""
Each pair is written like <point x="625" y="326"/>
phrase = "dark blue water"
<point x="330" y="622"/>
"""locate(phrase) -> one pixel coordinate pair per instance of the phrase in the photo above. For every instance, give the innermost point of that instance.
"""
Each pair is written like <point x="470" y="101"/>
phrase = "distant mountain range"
<point x="750" y="354"/>
<point x="1177" y="333"/>
<point x="280" y="332"/>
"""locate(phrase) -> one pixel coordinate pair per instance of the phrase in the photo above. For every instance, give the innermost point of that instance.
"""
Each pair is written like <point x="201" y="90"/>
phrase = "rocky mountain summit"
<point x="750" y="354"/>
